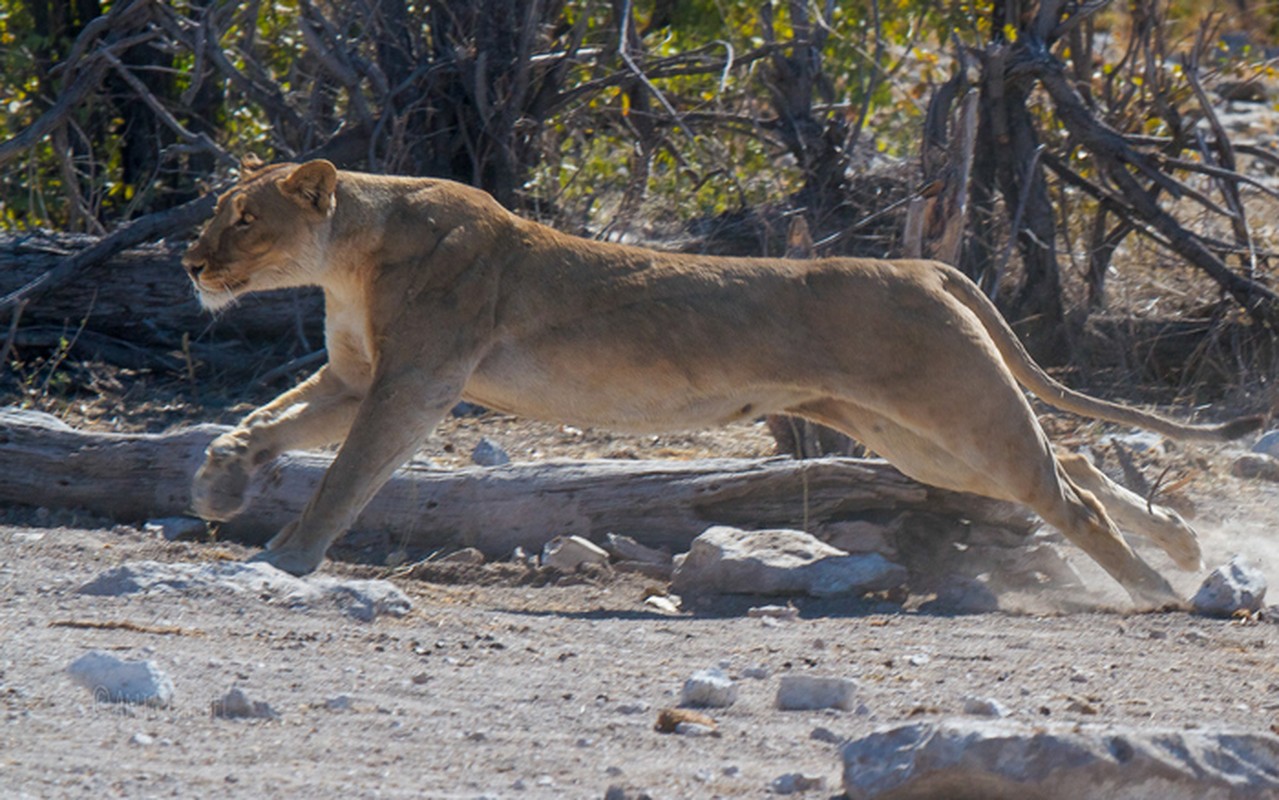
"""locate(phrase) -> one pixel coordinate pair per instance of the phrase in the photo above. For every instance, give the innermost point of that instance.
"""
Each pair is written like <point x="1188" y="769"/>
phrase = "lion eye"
<point x="246" y="219"/>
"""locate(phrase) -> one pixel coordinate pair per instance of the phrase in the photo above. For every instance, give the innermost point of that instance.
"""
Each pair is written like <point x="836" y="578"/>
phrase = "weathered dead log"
<point x="133" y="477"/>
<point x="142" y="295"/>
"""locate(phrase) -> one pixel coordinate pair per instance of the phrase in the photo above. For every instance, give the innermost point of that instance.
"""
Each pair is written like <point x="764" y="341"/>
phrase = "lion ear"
<point x="250" y="165"/>
<point x="311" y="185"/>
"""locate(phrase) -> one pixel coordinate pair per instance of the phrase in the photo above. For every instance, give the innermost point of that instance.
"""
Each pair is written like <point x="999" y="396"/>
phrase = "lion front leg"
<point x="393" y="421"/>
<point x="317" y="412"/>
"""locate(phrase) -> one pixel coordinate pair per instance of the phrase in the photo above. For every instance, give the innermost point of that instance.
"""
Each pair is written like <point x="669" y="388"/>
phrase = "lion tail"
<point x="1032" y="376"/>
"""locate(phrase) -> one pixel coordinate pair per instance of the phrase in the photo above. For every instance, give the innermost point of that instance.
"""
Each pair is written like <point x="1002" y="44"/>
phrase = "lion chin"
<point x="433" y="291"/>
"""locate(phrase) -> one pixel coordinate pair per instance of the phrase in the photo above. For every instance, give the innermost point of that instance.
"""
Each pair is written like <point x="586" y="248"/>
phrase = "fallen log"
<point x="133" y="477"/>
<point x="141" y="295"/>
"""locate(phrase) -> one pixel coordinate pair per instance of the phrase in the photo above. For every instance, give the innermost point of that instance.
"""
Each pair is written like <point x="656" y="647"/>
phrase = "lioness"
<point x="435" y="293"/>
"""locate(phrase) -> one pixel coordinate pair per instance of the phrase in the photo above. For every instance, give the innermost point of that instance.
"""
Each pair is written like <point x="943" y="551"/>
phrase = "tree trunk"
<point x="133" y="477"/>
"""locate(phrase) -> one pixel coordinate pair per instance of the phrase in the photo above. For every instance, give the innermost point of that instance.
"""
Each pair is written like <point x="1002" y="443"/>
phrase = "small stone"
<point x="142" y="739"/>
<point x="235" y="704"/>
<point x="793" y="782"/>
<point x="758" y="673"/>
<point x="985" y="707"/>
<point x="1236" y="586"/>
<point x="709" y="688"/>
<point x="811" y="692"/>
<point x="918" y="659"/>
<point x="177" y="529"/>
<point x="1256" y="466"/>
<point x="567" y="553"/>
<point x="467" y="555"/>
<point x="1268" y="444"/>
<point x="342" y="702"/>
<point x="113" y="680"/>
<point x="489" y="453"/>
<point x="826" y="735"/>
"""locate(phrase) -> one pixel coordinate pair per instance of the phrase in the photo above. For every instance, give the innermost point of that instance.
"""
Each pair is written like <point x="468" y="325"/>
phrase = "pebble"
<point x="1268" y="444"/>
<point x="342" y="702"/>
<point x="489" y="453"/>
<point x="793" y="782"/>
<point x="825" y="735"/>
<point x="467" y="555"/>
<point x="709" y="688"/>
<point x="142" y="739"/>
<point x="985" y="707"/>
<point x="235" y="704"/>
<point x="811" y="692"/>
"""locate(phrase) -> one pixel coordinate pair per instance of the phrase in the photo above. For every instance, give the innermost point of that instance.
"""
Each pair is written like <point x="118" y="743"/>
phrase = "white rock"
<point x="1236" y="586"/>
<point x="708" y="688"/>
<point x="778" y="562"/>
<point x="235" y="704"/>
<point x="567" y="553"/>
<point x="362" y="599"/>
<point x="142" y="739"/>
<point x="1268" y="444"/>
<point x="113" y="680"/>
<point x="985" y="707"/>
<point x="489" y="453"/>
<point x="793" y="782"/>
<point x="627" y="549"/>
<point x="810" y="692"/>
<point x="176" y="529"/>
<point x="787" y="613"/>
<point x="1001" y="759"/>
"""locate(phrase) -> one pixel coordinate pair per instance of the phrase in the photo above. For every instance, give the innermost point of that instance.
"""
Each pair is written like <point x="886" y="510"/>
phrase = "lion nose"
<point x="194" y="266"/>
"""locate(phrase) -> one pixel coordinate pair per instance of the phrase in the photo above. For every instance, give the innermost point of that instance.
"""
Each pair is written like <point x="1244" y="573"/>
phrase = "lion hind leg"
<point x="1024" y="470"/>
<point x="1133" y="513"/>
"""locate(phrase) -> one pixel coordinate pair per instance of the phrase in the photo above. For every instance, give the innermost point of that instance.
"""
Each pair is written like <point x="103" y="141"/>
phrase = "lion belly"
<point x="653" y="397"/>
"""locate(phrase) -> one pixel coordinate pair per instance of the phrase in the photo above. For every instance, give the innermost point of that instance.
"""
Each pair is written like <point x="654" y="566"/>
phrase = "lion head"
<point x="268" y="232"/>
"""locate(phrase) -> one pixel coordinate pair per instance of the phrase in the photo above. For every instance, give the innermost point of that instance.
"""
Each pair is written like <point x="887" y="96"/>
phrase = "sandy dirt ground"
<point x="496" y="686"/>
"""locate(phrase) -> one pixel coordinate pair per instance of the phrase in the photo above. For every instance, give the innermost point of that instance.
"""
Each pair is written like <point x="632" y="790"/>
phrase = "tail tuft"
<point x="1240" y="427"/>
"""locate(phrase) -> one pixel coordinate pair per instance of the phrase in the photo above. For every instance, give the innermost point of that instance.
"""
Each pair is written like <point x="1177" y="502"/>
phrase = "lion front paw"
<point x="288" y="552"/>
<point x="218" y="491"/>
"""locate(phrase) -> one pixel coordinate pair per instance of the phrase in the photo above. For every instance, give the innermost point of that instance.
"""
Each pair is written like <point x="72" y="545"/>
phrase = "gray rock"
<point x="177" y="529"/>
<point x="489" y="453"/>
<point x="1256" y="466"/>
<point x="985" y="707"/>
<point x="567" y="553"/>
<point x="627" y="549"/>
<point x="809" y="692"/>
<point x="235" y="704"/>
<point x="708" y="688"/>
<point x="365" y="600"/>
<point x="693" y="729"/>
<point x="793" y="782"/>
<point x="362" y="599"/>
<point x="778" y="562"/>
<point x="1236" y="586"/>
<point x="114" y="680"/>
<point x="1001" y="760"/>
<point x="1268" y="444"/>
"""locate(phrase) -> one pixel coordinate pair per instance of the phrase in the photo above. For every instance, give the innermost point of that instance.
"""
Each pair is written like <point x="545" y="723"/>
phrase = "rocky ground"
<point x="505" y="682"/>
